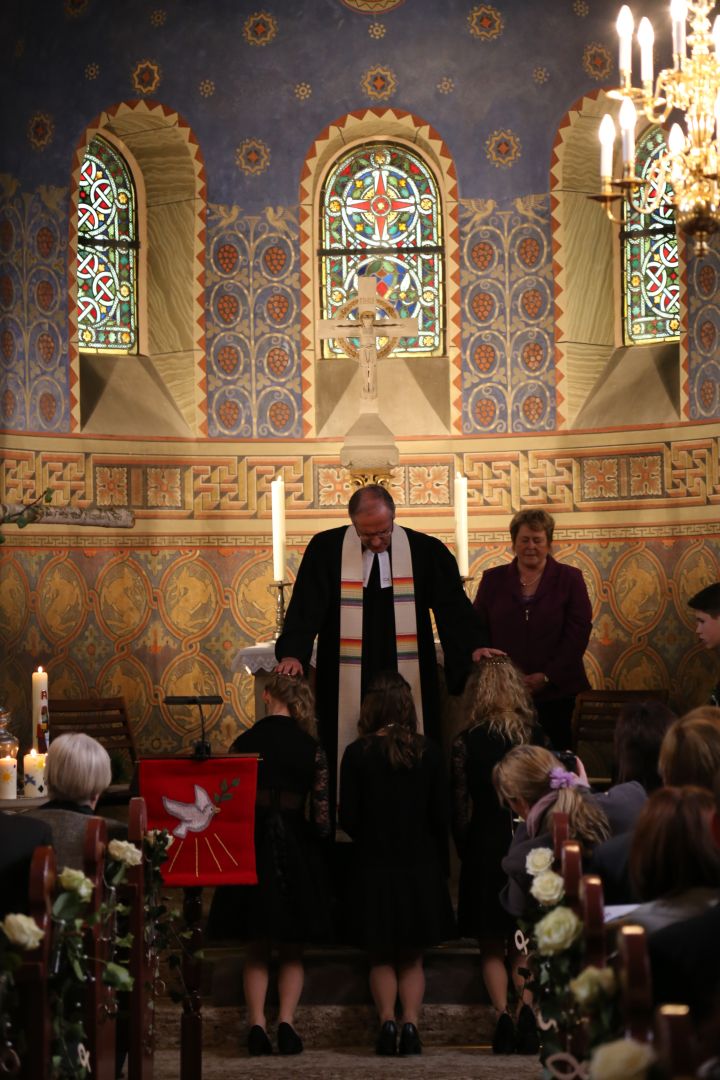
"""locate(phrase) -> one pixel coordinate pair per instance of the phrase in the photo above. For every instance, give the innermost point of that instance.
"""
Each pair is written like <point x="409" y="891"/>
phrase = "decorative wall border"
<point x="653" y="475"/>
<point x="354" y="126"/>
<point x="171" y="119"/>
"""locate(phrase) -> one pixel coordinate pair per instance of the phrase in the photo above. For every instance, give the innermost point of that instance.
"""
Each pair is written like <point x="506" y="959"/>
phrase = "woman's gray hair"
<point x="77" y="768"/>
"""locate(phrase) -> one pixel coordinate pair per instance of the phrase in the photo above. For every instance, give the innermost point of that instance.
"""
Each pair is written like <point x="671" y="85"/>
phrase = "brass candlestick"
<point x="280" y="586"/>
<point x="466" y="581"/>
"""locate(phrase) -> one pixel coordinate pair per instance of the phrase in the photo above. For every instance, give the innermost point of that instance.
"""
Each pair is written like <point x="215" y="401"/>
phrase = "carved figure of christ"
<point x="366" y="329"/>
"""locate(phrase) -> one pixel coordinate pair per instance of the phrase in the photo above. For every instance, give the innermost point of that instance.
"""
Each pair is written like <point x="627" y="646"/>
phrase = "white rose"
<point x="539" y="860"/>
<point x="75" y="881"/>
<point x="624" y="1059"/>
<point x="548" y="887"/>
<point x="592" y="982"/>
<point x="557" y="931"/>
<point x="124" y="852"/>
<point x="22" y="931"/>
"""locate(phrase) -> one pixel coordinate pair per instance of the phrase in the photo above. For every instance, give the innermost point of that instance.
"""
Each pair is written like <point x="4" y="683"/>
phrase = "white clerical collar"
<point x="383" y="566"/>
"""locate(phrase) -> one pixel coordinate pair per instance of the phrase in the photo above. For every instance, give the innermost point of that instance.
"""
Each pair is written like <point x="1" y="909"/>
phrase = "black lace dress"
<point x="482" y="830"/>
<point x="290" y="902"/>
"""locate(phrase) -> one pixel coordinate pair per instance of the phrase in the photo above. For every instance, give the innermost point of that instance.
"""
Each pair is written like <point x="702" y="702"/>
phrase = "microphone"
<point x="201" y="749"/>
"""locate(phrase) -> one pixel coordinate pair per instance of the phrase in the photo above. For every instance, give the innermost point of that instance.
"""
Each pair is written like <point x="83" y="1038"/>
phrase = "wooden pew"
<point x="675" y="1041"/>
<point x="100" y="1004"/>
<point x="560" y="833"/>
<point x="571" y="869"/>
<point x="32" y="976"/>
<point x="592" y="908"/>
<point x="140" y="1051"/>
<point x="635" y="983"/>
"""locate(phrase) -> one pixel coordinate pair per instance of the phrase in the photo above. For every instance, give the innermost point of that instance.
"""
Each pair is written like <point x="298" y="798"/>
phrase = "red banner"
<point x="208" y="807"/>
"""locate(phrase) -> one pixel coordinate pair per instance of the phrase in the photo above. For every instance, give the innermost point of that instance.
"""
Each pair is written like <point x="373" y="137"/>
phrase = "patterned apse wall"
<point x="170" y="619"/>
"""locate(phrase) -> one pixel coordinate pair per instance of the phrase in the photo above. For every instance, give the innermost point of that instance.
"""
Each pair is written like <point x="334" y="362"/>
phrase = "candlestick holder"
<point x="466" y="583"/>
<point x="280" y="586"/>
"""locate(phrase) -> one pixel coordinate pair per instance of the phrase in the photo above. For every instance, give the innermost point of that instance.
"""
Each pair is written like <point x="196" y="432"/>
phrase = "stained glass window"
<point x="107" y="251"/>
<point x="651" y="276"/>
<point x="381" y="216"/>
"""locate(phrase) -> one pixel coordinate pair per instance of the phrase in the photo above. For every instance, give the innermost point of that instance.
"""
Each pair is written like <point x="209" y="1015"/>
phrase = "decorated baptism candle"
<point x="34" y="773"/>
<point x="39" y="698"/>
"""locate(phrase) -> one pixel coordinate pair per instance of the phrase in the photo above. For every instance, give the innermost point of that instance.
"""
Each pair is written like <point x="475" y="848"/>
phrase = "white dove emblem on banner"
<point x="193" y="817"/>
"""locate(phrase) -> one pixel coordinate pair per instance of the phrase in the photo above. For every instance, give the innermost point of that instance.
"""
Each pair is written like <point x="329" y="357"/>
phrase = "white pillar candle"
<point x="461" y="524"/>
<point x="277" y="498"/>
<point x="8" y="778"/>
<point x="39" y="698"/>
<point x="34" y="774"/>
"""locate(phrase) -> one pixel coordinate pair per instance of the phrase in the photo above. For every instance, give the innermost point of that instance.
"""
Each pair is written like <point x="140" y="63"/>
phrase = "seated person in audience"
<point x="674" y="862"/>
<point x="19" y="836"/>
<point x="706" y="605"/>
<point x="534" y="784"/>
<point x="685" y="957"/>
<point x="77" y="771"/>
<point x="689" y="754"/>
<point x="639" y="732"/>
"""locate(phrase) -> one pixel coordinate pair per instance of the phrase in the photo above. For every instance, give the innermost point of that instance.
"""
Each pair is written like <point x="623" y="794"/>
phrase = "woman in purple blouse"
<point x="538" y="611"/>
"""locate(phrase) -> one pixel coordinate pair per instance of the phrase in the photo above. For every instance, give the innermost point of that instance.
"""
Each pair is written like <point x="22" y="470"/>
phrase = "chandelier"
<point x="688" y="171"/>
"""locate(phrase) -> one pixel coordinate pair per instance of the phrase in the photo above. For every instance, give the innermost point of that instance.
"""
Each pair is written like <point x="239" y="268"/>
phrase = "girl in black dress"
<point x="394" y="805"/>
<point x="289" y="904"/>
<point x="500" y="715"/>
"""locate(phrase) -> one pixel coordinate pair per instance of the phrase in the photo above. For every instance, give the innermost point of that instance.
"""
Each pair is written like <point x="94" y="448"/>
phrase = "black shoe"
<point x="504" y="1037"/>
<point x="289" y="1042"/>
<point x="409" y="1041"/>
<point x="528" y="1040"/>
<point x="386" y="1045"/>
<point x="258" y="1042"/>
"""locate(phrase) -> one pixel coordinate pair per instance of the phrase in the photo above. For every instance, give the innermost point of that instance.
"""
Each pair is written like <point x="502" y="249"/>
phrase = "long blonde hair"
<point x="524" y="773"/>
<point x="296" y="694"/>
<point x="496" y="697"/>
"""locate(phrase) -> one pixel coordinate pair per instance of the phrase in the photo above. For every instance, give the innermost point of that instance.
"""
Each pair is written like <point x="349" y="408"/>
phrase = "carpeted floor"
<point x="438" y="1063"/>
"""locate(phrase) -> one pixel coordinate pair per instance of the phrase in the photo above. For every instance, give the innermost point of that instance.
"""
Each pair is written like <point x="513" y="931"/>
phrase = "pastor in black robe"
<point x="314" y="610"/>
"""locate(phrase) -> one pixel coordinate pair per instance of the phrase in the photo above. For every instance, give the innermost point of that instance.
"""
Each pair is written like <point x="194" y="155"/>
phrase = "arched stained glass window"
<point x="107" y="251"/>
<point x="651" y="276"/>
<point x="381" y="216"/>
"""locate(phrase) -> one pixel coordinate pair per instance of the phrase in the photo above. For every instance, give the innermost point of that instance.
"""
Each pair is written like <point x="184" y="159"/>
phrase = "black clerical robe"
<point x="314" y="609"/>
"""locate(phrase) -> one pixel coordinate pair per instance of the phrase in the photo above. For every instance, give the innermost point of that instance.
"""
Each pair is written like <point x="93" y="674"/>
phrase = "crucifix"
<point x="366" y="329"/>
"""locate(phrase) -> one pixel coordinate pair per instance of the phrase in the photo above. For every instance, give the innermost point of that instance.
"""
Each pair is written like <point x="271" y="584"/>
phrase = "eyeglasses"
<point x="381" y="535"/>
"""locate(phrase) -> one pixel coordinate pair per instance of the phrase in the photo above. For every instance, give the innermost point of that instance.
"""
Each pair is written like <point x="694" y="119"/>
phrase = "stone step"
<point x="339" y="976"/>
<point x="330" y="1026"/>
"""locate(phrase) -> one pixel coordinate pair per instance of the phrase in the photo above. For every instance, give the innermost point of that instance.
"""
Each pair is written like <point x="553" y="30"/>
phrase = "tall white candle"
<point x="8" y="778"/>
<point x="628" y="119"/>
<point x="461" y="524"/>
<point x="277" y="495"/>
<point x="34" y="775"/>
<point x="39" y="698"/>
<point x="646" y="37"/>
<point x="625" y="26"/>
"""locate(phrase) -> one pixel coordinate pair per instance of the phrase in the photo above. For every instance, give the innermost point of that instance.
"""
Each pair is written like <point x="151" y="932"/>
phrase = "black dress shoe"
<point x="258" y="1042"/>
<point x="504" y="1037"/>
<point x="386" y="1045"/>
<point x="528" y="1039"/>
<point x="409" y="1040"/>
<point x="289" y="1042"/>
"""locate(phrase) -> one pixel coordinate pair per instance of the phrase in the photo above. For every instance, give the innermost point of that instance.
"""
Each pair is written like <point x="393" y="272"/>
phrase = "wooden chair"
<point x="32" y="977"/>
<point x="593" y="728"/>
<point x="100" y="1004"/>
<point x="560" y="831"/>
<point x="105" y="719"/>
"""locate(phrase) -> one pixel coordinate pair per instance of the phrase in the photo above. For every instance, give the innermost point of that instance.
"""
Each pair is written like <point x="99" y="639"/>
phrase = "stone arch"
<point x="430" y="399"/>
<point x="166" y="380"/>
<point x="597" y="375"/>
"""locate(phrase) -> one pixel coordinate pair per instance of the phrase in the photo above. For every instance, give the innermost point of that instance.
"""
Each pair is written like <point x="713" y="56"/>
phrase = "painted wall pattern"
<point x="252" y="324"/>
<point x="704" y="324"/>
<point x="168" y="618"/>
<point x="508" y="371"/>
<point x="34" y="381"/>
